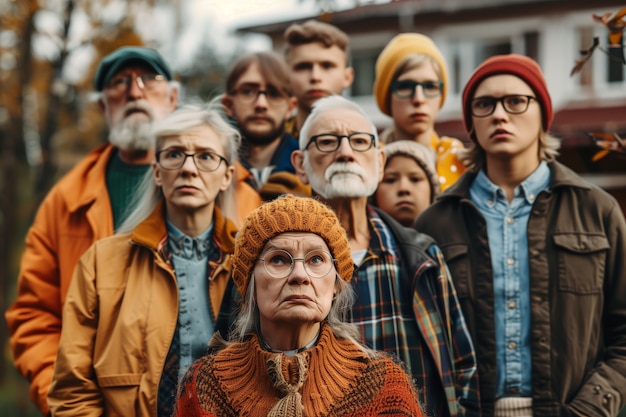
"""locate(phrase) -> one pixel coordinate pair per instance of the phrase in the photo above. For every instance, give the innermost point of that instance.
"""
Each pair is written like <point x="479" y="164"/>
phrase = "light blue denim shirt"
<point x="508" y="243"/>
<point x="195" y="327"/>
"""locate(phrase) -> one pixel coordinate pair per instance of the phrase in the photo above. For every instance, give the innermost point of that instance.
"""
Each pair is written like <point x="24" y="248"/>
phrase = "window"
<point x="615" y="62"/>
<point x="363" y="63"/>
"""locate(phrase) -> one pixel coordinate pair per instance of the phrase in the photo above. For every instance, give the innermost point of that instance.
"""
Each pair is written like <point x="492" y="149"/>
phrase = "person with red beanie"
<point x="536" y="254"/>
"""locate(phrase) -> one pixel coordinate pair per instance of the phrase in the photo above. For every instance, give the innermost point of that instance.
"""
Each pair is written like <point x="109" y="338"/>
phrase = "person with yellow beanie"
<point x="410" y="86"/>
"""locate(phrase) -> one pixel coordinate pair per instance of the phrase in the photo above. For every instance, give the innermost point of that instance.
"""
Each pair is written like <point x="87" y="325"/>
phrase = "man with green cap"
<point x="135" y="88"/>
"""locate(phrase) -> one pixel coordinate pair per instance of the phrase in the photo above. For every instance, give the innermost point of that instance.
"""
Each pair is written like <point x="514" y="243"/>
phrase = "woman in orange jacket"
<point x="143" y="305"/>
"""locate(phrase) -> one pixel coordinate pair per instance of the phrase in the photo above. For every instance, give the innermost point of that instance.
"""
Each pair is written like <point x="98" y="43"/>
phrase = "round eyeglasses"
<point x="173" y="159"/>
<point x="330" y="142"/>
<point x="406" y="88"/>
<point x="513" y="104"/>
<point x="279" y="263"/>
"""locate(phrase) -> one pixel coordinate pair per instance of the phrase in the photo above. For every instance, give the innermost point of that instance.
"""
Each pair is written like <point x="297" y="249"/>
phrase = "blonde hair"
<point x="475" y="156"/>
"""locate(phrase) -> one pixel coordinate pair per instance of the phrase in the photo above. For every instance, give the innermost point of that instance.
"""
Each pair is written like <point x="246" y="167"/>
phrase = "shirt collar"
<point x="536" y="182"/>
<point x="189" y="247"/>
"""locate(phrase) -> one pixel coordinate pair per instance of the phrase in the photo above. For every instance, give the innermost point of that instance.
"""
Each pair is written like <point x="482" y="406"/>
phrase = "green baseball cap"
<point x="116" y="60"/>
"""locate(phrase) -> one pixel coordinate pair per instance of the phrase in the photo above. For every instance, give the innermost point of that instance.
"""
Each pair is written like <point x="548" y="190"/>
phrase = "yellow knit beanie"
<point x="289" y="214"/>
<point x="396" y="50"/>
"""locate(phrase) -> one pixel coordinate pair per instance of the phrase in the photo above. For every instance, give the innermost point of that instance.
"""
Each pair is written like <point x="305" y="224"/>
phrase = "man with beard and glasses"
<point x="88" y="203"/>
<point x="406" y="303"/>
<point x="259" y="99"/>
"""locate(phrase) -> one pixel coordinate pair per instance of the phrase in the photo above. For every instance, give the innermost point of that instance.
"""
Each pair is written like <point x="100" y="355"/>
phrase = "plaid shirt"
<point x="416" y="316"/>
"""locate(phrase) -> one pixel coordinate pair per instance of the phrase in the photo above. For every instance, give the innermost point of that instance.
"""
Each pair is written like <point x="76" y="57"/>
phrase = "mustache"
<point x="344" y="168"/>
<point x="139" y="105"/>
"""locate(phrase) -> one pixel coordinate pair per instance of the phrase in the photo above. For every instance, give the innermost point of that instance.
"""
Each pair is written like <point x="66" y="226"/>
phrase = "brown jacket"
<point x="75" y="213"/>
<point x="119" y="320"/>
<point x="577" y="252"/>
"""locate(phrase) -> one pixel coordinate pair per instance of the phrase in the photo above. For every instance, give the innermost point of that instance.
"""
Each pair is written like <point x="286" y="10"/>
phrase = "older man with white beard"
<point x="406" y="301"/>
<point x="136" y="88"/>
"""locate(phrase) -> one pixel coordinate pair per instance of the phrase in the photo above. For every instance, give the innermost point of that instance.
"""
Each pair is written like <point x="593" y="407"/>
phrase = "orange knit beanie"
<point x="289" y="214"/>
<point x="396" y="50"/>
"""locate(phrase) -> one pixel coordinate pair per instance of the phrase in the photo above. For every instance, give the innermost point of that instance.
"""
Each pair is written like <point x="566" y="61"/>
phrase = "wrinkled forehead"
<point x="296" y="242"/>
<point x="339" y="121"/>
<point x="201" y="136"/>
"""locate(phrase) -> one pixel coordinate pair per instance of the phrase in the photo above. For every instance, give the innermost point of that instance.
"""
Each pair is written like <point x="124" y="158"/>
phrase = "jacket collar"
<point x="92" y="169"/>
<point x="562" y="176"/>
<point x="152" y="231"/>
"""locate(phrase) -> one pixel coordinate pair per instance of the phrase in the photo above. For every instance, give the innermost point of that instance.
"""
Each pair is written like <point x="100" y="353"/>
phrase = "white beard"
<point x="133" y="132"/>
<point x="343" y="180"/>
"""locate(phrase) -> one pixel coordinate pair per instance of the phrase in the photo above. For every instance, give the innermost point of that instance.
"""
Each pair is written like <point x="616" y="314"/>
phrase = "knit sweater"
<point x="335" y="377"/>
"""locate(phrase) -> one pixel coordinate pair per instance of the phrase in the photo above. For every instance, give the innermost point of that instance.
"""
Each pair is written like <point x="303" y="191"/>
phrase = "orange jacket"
<point x="246" y="196"/>
<point x="449" y="165"/>
<point x="75" y="213"/>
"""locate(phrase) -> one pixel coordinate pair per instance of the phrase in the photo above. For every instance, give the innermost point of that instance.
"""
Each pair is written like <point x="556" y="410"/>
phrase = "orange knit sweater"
<point x="342" y="381"/>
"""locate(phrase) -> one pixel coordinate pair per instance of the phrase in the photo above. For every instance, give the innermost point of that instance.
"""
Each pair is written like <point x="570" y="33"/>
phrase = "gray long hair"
<point x="185" y="118"/>
<point x="247" y="320"/>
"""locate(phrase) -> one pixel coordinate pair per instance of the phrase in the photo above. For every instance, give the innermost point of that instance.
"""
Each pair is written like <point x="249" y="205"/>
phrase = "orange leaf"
<point x="599" y="155"/>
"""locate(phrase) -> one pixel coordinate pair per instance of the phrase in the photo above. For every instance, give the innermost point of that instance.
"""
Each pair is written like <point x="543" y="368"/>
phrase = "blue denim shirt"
<point x="508" y="244"/>
<point x="195" y="326"/>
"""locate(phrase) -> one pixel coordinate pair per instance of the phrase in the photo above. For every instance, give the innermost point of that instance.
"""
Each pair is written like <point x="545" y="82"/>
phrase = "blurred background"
<point x="49" y="50"/>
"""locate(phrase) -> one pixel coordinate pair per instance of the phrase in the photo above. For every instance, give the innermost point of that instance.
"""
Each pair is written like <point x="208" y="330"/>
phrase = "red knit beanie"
<point x="514" y="64"/>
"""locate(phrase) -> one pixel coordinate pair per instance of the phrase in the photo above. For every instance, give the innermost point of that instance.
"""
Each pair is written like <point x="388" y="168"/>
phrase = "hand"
<point x="280" y="183"/>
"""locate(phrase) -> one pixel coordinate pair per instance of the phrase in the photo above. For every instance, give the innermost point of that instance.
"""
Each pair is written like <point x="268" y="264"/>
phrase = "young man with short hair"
<point x="318" y="57"/>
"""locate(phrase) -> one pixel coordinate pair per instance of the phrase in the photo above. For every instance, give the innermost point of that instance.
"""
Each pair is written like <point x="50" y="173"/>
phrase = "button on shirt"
<point x="508" y="243"/>
<point x="190" y="257"/>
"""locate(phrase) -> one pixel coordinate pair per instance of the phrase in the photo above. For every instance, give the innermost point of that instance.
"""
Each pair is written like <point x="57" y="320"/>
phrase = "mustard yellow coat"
<point x="119" y="319"/>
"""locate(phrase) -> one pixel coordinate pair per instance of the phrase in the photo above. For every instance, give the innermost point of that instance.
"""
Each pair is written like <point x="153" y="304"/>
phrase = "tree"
<point x="41" y="111"/>
<point x="607" y="142"/>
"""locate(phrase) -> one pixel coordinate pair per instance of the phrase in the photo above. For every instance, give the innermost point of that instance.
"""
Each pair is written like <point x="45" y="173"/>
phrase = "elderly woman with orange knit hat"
<point x="290" y="352"/>
<point x="410" y="86"/>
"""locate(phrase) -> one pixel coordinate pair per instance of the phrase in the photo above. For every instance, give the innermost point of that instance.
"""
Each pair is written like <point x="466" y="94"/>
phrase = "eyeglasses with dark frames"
<point x="279" y="263"/>
<point x="146" y="82"/>
<point x="330" y="142"/>
<point x="249" y="93"/>
<point x="512" y="104"/>
<point x="406" y="88"/>
<point x="172" y="159"/>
